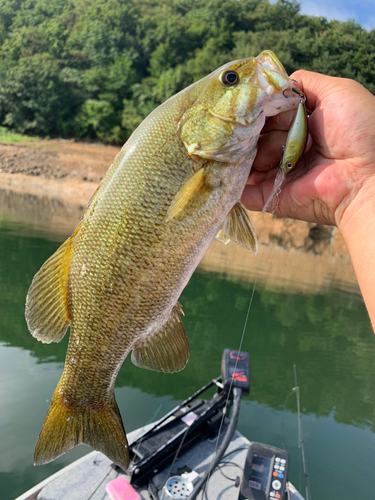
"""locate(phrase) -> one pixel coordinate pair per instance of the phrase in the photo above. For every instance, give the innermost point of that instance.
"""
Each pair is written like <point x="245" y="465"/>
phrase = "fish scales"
<point x="117" y="280"/>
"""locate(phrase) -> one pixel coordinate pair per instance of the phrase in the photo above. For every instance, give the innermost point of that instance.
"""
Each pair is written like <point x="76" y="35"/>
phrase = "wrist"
<point x="358" y="229"/>
<point x="359" y="214"/>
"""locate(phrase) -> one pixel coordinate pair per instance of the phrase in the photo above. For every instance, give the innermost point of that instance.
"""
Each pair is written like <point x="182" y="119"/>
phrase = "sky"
<point x="362" y="11"/>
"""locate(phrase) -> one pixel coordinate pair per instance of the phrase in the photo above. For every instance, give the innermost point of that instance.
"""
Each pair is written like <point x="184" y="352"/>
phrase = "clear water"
<point x="328" y="337"/>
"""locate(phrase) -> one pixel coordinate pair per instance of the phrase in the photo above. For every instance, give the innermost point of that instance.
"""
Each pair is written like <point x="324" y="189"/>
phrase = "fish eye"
<point x="229" y="78"/>
<point x="289" y="164"/>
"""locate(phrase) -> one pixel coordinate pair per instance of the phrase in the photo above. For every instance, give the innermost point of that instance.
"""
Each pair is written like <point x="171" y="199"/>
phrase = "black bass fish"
<point x="116" y="281"/>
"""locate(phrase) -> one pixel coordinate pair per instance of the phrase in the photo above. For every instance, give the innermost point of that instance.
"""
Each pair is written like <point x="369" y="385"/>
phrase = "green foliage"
<point x="94" y="69"/>
<point x="7" y="135"/>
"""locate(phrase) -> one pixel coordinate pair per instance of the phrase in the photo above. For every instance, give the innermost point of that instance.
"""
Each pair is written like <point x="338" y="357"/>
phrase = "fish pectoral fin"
<point x="47" y="313"/>
<point x="191" y="191"/>
<point x="68" y="426"/>
<point x="239" y="228"/>
<point x="222" y="237"/>
<point x="167" y="350"/>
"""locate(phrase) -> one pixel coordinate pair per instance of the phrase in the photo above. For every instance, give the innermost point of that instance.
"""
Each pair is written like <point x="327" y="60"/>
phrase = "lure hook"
<point x="297" y="91"/>
<point x="301" y="95"/>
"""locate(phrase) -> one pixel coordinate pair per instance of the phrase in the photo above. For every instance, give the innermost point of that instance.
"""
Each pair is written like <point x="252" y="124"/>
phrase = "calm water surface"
<point x="327" y="336"/>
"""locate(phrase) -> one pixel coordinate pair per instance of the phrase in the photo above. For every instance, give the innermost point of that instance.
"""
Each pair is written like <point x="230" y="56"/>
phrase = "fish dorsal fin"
<point x="239" y="228"/>
<point x="189" y="192"/>
<point x="166" y="351"/>
<point x="47" y="313"/>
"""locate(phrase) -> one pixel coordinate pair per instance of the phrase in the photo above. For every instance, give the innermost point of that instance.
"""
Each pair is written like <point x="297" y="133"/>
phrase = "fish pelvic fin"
<point x="167" y="350"/>
<point x="66" y="427"/>
<point x="239" y="229"/>
<point x="47" y="312"/>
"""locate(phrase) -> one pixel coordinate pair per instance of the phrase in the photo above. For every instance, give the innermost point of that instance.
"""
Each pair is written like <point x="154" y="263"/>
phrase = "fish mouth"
<point x="271" y="74"/>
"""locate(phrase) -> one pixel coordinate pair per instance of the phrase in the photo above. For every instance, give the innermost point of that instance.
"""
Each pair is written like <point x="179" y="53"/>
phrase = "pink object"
<point x="120" y="489"/>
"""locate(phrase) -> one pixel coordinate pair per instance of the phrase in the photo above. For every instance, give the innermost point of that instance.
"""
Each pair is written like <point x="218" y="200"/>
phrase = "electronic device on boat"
<point x="265" y="473"/>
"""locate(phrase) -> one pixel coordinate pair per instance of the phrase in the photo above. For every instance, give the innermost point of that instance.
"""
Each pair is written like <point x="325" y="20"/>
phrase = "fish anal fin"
<point x="192" y="190"/>
<point x="239" y="229"/>
<point x="166" y="351"/>
<point x="47" y="311"/>
<point x="66" y="427"/>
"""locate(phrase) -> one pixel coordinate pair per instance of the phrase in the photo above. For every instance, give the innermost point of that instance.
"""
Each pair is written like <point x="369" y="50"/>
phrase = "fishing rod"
<point x="301" y="444"/>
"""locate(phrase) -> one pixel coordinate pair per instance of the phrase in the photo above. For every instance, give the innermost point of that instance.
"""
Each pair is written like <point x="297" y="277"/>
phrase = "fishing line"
<point x="230" y="386"/>
<point x="101" y="482"/>
<point x="204" y="491"/>
<point x="235" y="367"/>
<point x="175" y="457"/>
<point x="152" y="419"/>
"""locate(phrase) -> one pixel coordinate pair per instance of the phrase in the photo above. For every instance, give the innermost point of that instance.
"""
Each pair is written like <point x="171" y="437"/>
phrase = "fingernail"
<point x="285" y="119"/>
<point x="308" y="142"/>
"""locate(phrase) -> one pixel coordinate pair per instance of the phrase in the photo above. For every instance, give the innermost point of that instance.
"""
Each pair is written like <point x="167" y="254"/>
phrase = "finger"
<point x="256" y="177"/>
<point x="270" y="149"/>
<point x="315" y="86"/>
<point x="309" y="143"/>
<point x="282" y="121"/>
<point x="252" y="198"/>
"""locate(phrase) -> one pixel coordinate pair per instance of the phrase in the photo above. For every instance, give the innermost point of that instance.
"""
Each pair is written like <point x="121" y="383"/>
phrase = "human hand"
<point x="337" y="173"/>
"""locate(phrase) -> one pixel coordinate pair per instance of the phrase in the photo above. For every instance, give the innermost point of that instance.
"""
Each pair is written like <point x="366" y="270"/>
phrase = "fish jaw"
<point x="275" y="82"/>
<point x="224" y="122"/>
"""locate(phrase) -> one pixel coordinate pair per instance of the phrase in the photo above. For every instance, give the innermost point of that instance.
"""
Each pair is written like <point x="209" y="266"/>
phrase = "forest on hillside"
<point x="93" y="69"/>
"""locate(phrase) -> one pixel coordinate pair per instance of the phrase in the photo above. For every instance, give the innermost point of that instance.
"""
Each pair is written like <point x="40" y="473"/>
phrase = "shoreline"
<point x="304" y="256"/>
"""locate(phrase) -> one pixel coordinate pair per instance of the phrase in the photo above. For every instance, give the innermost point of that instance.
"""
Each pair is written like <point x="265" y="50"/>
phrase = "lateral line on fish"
<point x="152" y="155"/>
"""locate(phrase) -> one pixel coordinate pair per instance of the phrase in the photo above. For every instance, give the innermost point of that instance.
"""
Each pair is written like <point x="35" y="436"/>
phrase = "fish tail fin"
<point x="66" y="427"/>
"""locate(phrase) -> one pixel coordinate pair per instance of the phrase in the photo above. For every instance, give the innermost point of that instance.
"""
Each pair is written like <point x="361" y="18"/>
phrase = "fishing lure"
<point x="293" y="149"/>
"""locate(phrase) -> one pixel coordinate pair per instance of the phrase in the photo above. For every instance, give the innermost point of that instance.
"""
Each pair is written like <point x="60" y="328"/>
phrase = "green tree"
<point x="94" y="69"/>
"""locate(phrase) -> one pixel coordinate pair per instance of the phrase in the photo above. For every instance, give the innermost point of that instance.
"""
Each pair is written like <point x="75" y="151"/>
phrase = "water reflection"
<point x="326" y="333"/>
<point x="42" y="215"/>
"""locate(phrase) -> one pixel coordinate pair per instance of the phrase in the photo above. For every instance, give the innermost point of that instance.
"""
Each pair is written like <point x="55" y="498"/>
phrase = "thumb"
<point x="315" y="86"/>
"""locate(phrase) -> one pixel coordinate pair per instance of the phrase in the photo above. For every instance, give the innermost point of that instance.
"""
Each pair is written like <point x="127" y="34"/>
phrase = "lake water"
<point x="326" y="333"/>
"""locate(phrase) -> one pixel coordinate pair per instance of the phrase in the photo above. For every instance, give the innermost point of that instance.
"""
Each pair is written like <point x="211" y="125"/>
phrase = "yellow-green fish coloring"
<point x="116" y="281"/>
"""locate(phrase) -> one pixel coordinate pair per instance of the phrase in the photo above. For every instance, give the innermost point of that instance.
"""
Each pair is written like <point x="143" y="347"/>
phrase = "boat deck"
<point x="87" y="478"/>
